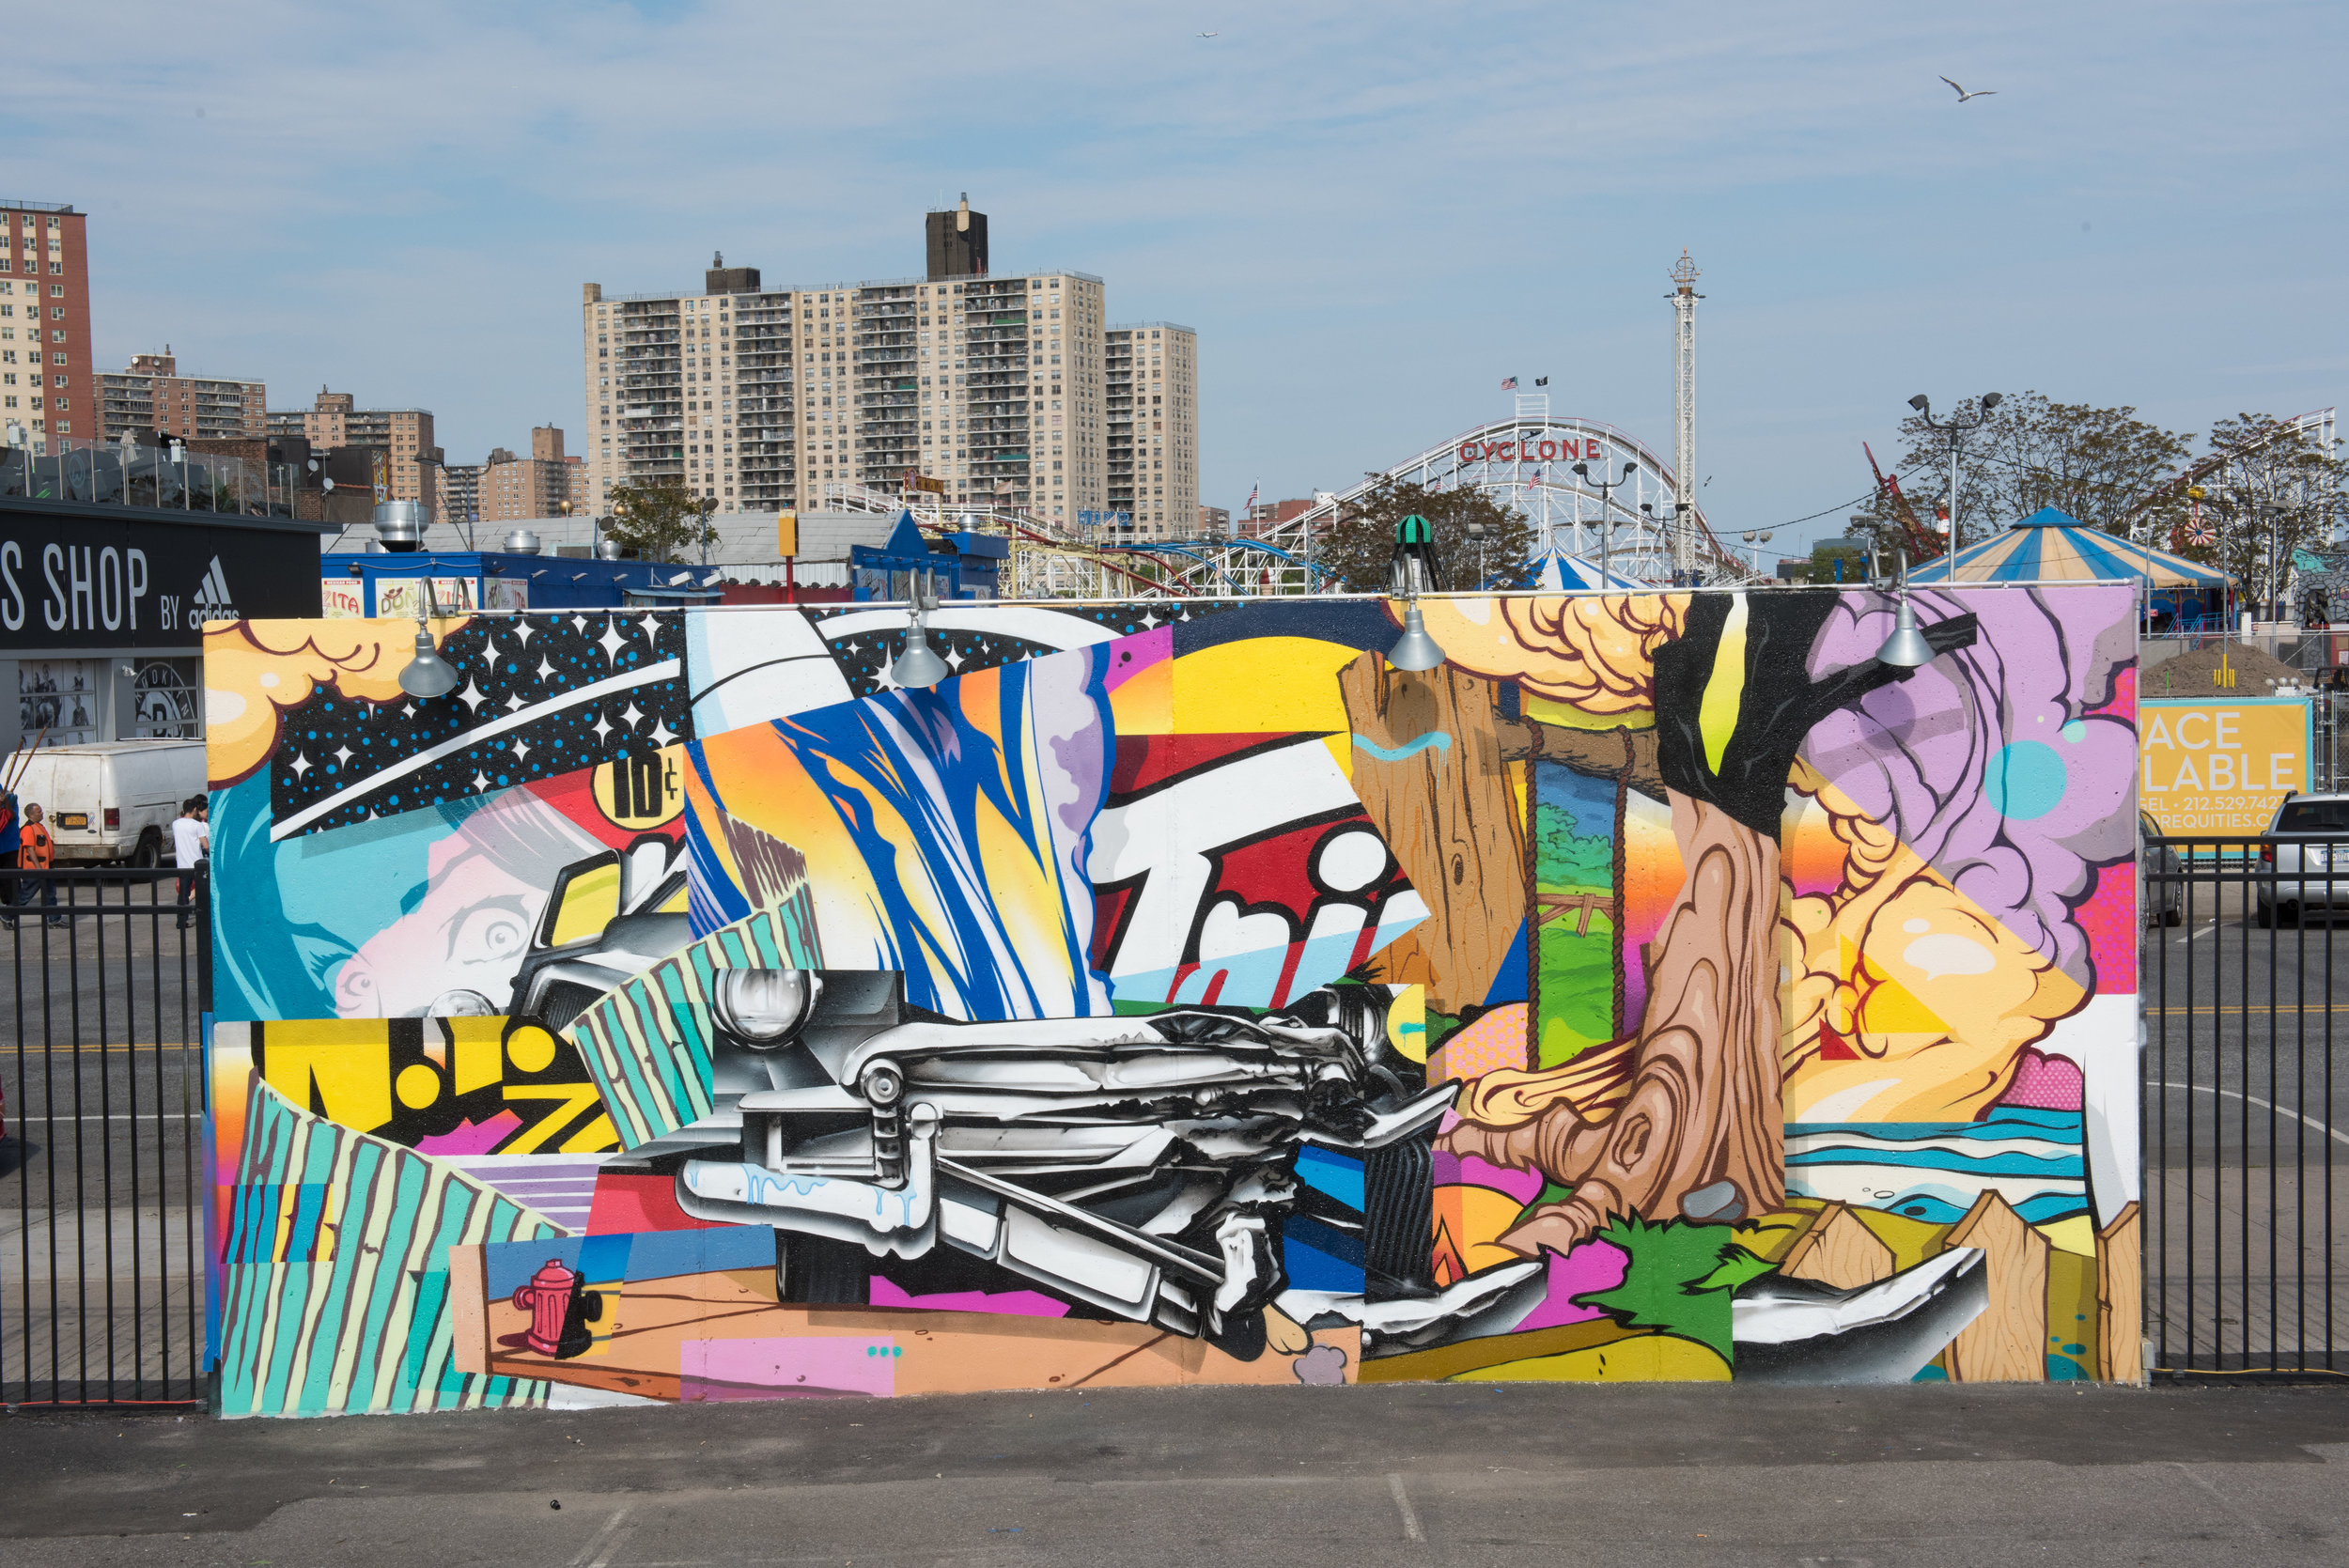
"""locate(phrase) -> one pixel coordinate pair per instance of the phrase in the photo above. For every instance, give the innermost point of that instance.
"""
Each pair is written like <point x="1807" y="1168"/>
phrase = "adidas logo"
<point x="212" y="598"/>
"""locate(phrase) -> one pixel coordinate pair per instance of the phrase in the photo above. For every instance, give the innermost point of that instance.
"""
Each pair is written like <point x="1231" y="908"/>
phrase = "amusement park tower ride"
<point x="1684" y="298"/>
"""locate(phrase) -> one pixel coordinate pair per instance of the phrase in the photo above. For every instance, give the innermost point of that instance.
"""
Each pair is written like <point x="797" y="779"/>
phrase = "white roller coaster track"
<point x="1526" y="462"/>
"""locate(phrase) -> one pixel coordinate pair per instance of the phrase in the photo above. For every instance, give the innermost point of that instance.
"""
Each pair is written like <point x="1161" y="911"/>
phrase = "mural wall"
<point x="682" y="1010"/>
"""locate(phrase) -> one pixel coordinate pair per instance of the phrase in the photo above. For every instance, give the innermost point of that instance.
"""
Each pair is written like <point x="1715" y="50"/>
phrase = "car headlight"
<point x="764" y="1008"/>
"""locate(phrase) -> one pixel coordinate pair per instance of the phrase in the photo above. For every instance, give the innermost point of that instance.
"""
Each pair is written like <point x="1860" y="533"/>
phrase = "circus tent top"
<point x="2053" y="546"/>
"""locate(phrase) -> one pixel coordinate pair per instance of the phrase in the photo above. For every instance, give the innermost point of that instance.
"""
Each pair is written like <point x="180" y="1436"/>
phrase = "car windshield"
<point x="2314" y="816"/>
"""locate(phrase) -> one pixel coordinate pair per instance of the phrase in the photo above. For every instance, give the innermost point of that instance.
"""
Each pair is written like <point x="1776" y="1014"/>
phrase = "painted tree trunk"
<point x="1704" y="1104"/>
<point x="1445" y="810"/>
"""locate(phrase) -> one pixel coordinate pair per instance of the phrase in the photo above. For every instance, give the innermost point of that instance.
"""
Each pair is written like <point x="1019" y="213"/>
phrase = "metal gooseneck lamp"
<point x="1414" y="570"/>
<point x="427" y="675"/>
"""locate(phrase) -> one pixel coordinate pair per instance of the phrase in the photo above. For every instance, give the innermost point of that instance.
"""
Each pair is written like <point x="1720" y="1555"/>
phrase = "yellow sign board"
<point x="2222" y="766"/>
<point x="786" y="532"/>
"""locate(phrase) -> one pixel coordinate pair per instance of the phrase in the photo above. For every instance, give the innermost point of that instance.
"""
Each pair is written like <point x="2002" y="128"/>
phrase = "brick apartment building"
<point x="511" y="488"/>
<point x="335" y="421"/>
<point x="47" y="387"/>
<point x="152" y="395"/>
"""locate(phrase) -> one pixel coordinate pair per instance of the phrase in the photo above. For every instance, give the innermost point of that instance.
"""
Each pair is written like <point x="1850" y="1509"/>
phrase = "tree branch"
<point x="1619" y="753"/>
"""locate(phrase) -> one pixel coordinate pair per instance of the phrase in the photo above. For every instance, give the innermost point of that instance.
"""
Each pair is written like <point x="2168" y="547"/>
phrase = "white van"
<point x="111" y="800"/>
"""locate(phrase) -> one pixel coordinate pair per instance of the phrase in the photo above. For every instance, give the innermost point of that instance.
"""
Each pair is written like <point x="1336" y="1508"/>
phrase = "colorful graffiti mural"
<point x="683" y="1010"/>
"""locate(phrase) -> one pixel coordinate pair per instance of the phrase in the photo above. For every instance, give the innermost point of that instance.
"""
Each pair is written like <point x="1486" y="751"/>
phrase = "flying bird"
<point x="1962" y="95"/>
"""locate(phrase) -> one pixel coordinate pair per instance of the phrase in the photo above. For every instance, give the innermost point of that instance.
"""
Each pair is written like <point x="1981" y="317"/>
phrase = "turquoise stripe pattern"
<point x="646" y="1042"/>
<point x="1934" y="1170"/>
<point x="335" y="1285"/>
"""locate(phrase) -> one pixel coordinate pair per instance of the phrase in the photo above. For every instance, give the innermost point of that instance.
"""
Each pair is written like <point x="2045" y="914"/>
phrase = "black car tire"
<point x="2174" y="917"/>
<point x="150" y="853"/>
<point x="2266" y="916"/>
<point x="2292" y="913"/>
<point x="817" y="1271"/>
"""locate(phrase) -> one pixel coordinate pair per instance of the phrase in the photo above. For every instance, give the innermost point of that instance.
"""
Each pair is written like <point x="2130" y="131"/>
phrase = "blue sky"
<point x="1371" y="213"/>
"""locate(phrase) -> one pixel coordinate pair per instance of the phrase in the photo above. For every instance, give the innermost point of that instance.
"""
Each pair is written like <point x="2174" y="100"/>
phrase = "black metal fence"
<point x="2245" y="1151"/>
<point x="2247" y="1155"/>
<point x="101" y="1246"/>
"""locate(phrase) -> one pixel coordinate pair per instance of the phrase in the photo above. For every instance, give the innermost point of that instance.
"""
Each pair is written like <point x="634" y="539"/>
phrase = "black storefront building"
<point x="106" y="586"/>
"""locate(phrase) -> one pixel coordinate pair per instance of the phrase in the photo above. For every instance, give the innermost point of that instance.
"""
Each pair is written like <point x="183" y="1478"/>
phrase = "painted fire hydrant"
<point x="559" y="1310"/>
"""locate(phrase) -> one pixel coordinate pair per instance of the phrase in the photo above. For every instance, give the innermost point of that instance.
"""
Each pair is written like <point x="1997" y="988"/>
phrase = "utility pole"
<point x="1684" y="298"/>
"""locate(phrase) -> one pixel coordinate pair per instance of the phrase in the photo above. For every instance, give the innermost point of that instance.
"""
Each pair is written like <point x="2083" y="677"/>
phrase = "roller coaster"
<point x="1532" y="461"/>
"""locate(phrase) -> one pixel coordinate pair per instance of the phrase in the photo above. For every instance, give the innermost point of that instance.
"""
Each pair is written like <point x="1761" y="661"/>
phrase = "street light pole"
<point x="1956" y="429"/>
<point x="1607" y="489"/>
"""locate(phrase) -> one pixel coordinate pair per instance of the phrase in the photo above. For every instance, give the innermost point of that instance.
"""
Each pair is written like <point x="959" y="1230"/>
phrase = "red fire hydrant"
<point x="559" y="1310"/>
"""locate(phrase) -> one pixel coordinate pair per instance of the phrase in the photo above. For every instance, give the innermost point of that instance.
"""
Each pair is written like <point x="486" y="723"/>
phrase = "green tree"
<point x="2096" y="464"/>
<point x="1360" y="543"/>
<point x="658" y="518"/>
<point x="2276" y="490"/>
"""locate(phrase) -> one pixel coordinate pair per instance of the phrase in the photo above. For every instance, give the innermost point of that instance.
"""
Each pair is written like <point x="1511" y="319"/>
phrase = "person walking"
<point x="36" y="851"/>
<point x="11" y="838"/>
<point x="191" y="843"/>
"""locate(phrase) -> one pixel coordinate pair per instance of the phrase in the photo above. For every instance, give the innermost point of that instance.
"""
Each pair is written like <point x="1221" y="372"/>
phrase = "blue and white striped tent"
<point x="2052" y="546"/>
<point x="1562" y="572"/>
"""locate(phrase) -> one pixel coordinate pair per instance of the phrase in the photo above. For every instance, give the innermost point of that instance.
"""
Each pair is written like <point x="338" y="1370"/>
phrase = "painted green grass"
<point x="1578" y="988"/>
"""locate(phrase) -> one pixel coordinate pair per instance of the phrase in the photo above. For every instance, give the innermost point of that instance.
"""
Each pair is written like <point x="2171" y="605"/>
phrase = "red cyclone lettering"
<point x="1468" y="451"/>
<point x="1550" y="450"/>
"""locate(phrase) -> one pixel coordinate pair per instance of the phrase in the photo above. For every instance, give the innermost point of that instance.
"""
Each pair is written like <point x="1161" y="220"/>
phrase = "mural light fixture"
<point x="1906" y="648"/>
<point x="427" y="674"/>
<point x="1414" y="568"/>
<point x="917" y="665"/>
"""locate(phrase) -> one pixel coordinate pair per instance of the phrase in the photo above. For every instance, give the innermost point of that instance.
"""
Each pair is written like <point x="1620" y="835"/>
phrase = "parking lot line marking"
<point x="2333" y="1133"/>
<point x="1402" y="1506"/>
<point x="597" y="1552"/>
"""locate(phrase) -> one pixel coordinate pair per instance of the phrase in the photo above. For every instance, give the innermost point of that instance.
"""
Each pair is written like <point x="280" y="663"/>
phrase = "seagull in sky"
<point x="1962" y="95"/>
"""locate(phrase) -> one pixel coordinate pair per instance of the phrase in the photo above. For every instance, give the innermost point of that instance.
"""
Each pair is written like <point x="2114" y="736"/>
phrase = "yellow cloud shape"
<point x="254" y="671"/>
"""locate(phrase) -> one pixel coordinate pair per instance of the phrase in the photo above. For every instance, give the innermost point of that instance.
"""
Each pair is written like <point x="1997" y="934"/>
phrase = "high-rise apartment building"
<point x="334" y="420"/>
<point x="460" y="493"/>
<point x="152" y="395"/>
<point x="542" y="485"/>
<point x="1151" y="375"/>
<point x="758" y="398"/>
<point x="47" y="387"/>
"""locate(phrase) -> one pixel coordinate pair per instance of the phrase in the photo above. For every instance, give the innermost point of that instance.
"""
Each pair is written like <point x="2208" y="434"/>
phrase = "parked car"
<point x="2296" y="861"/>
<point x="113" y="799"/>
<point x="2160" y="876"/>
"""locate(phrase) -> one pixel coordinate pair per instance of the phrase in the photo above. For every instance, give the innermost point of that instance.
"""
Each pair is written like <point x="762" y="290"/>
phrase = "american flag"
<point x="1250" y="507"/>
<point x="1510" y="384"/>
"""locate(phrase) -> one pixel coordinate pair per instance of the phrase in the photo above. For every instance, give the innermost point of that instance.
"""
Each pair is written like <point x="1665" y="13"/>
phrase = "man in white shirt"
<point x="189" y="843"/>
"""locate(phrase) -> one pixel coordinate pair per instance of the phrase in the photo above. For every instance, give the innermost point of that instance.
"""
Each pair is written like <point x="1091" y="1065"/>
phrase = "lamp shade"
<point x="917" y="665"/>
<point x="427" y="675"/>
<point x="1414" y="649"/>
<point x="1906" y="648"/>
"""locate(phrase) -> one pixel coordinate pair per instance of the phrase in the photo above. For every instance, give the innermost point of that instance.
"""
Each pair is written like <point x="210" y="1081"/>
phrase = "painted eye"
<point x="490" y="934"/>
<point x="764" y="1008"/>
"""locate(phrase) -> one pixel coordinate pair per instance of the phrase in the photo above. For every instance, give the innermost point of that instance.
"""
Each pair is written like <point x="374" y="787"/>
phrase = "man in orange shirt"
<point x="36" y="851"/>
